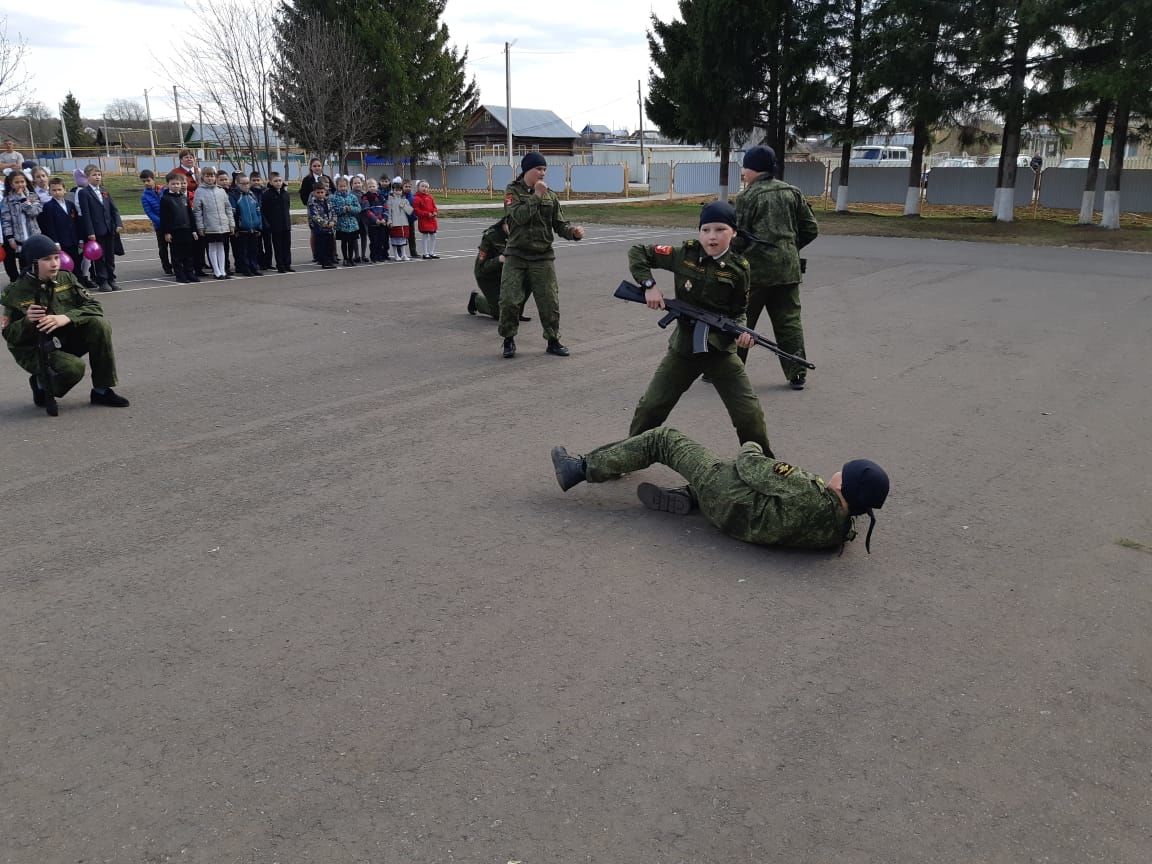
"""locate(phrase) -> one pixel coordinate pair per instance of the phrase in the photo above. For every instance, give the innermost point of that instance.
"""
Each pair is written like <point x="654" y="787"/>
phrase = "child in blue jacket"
<point x="150" y="198"/>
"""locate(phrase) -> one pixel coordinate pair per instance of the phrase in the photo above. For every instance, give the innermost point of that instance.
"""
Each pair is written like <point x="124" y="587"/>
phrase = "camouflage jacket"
<point x="795" y="507"/>
<point x="69" y="298"/>
<point x="716" y="285"/>
<point x="534" y="220"/>
<point x="778" y="213"/>
<point x="488" y="266"/>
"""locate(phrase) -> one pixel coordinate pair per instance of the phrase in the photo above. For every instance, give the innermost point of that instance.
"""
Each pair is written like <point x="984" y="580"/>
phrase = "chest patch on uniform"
<point x="688" y="283"/>
<point x="662" y="250"/>
<point x="783" y="469"/>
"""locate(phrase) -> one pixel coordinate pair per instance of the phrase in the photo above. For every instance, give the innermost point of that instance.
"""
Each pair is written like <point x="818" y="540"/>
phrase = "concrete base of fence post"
<point x="841" y="199"/>
<point x="1110" y="215"/>
<point x="1087" y="208"/>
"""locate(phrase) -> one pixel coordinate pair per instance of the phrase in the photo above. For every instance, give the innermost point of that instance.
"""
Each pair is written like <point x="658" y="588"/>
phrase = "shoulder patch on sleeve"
<point x="3" y="322"/>
<point x="508" y="199"/>
<point x="481" y="255"/>
<point x="662" y="250"/>
<point x="783" y="469"/>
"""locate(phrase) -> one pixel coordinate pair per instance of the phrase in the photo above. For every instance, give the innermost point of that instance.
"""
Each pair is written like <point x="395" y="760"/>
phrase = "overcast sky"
<point x="579" y="59"/>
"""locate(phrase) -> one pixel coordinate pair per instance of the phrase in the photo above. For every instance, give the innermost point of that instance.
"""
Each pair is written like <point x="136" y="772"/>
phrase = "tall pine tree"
<point x="708" y="76"/>
<point x="70" y="115"/>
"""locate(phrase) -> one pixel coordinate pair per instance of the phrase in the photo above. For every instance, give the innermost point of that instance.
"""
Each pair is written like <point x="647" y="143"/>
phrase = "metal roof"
<point x="532" y="122"/>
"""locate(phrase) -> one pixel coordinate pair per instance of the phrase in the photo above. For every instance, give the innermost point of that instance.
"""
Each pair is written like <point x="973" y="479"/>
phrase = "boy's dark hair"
<point x="255" y="175"/>
<point x="273" y="174"/>
<point x="172" y="175"/>
<point x="56" y="181"/>
<point x="147" y="175"/>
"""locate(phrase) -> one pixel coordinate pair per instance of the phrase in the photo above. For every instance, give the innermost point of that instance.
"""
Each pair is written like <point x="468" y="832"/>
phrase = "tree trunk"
<point x="1004" y="200"/>
<point x="1088" y="201"/>
<point x="1110" y="216"/>
<point x="916" y="171"/>
<point x="725" y="158"/>
<point x="850" y="106"/>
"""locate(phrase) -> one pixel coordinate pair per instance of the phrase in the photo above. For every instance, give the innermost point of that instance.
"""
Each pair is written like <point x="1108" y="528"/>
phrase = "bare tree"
<point x="38" y="111"/>
<point x="126" y="111"/>
<point x="13" y="75"/>
<point x="323" y="110"/>
<point x="232" y="79"/>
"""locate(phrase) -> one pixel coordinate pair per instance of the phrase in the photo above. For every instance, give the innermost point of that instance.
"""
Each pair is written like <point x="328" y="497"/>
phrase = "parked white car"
<point x="1081" y="162"/>
<point x="874" y="155"/>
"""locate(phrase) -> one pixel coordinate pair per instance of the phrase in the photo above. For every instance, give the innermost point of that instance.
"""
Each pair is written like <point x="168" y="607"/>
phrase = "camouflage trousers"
<point x="488" y="303"/>
<point x="675" y="375"/>
<point x="725" y="500"/>
<point x="91" y="336"/>
<point x="782" y="303"/>
<point x="521" y="278"/>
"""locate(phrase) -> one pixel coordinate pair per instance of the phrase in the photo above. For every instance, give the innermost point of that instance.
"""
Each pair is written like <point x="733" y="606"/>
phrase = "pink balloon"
<point x="66" y="262"/>
<point x="92" y="251"/>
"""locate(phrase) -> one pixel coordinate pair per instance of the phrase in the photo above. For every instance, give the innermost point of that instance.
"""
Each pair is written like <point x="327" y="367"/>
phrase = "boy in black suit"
<point x="61" y="221"/>
<point x="276" y="205"/>
<point x="178" y="227"/>
<point x="104" y="226"/>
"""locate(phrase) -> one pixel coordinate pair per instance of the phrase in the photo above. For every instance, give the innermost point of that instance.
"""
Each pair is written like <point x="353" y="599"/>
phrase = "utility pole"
<point x="179" y="125"/>
<point x="151" y="134"/>
<point x="508" y="97"/>
<point x="107" y="146"/>
<point x="31" y="139"/>
<point x="64" y="135"/>
<point x="640" y="102"/>
<point x="200" y="149"/>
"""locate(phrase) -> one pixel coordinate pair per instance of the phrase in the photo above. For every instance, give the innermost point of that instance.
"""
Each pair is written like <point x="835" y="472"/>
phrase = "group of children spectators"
<point x="34" y="203"/>
<point x="206" y="219"/>
<point x="200" y="219"/>
<point x="366" y="222"/>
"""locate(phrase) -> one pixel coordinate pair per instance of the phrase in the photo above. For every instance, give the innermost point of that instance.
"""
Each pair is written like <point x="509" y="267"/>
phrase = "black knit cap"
<point x="35" y="248"/>
<point x="761" y="159"/>
<point x="532" y="160"/>
<point x="864" y="485"/>
<point x="718" y="211"/>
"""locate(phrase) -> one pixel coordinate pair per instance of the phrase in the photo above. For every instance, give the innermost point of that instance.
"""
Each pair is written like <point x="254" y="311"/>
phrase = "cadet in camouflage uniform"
<point x="706" y="274"/>
<point x="534" y="217"/>
<point x="756" y="498"/>
<point x="772" y="210"/>
<point x="77" y="320"/>
<point x="487" y="269"/>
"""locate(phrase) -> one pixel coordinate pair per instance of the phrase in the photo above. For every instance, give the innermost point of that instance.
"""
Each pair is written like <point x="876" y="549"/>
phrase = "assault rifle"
<point x="45" y="344"/>
<point x="704" y="322"/>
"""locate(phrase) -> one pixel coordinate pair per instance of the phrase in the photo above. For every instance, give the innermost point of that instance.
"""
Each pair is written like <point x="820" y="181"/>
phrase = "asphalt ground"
<point x="316" y="595"/>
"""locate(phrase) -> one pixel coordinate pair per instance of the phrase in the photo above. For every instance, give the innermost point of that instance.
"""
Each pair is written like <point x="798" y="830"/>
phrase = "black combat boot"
<point x="797" y="382"/>
<point x="554" y="347"/>
<point x="509" y="348"/>
<point x="570" y="470"/>
<point x="110" y="398"/>
<point x="681" y="500"/>
<point x="472" y="303"/>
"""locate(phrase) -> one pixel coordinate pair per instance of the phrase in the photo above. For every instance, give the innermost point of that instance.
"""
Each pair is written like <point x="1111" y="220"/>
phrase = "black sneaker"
<point x="678" y="501"/>
<point x="570" y="470"/>
<point x="103" y="287"/>
<point x="168" y="271"/>
<point x="555" y="348"/>
<point x="110" y="398"/>
<point x="112" y="284"/>
<point x="472" y="303"/>
<point x="509" y="348"/>
<point x="797" y="382"/>
<point x="37" y="394"/>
